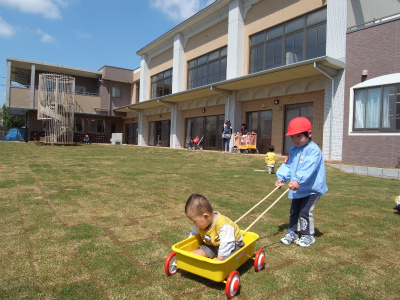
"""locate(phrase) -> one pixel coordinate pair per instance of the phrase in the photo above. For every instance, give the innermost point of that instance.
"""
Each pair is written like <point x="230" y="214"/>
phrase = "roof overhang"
<point x="188" y="24"/>
<point x="52" y="68"/>
<point x="284" y="73"/>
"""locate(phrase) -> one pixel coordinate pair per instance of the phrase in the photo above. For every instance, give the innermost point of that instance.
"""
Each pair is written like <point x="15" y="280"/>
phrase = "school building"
<point x="259" y="62"/>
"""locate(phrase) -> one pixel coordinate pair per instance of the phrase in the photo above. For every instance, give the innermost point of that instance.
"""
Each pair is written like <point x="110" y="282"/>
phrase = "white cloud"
<point x="45" y="38"/>
<point x="82" y="35"/>
<point x="47" y="8"/>
<point x="179" y="10"/>
<point x="6" y="29"/>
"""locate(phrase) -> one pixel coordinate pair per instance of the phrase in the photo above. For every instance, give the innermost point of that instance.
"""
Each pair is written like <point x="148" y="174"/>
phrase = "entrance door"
<point x="294" y="111"/>
<point x="165" y="133"/>
<point x="210" y="127"/>
<point x="213" y="131"/>
<point x="132" y="133"/>
<point x="261" y="123"/>
<point x="159" y="133"/>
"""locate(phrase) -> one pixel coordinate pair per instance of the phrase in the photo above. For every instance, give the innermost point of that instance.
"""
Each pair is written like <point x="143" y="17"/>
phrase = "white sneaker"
<point x="290" y="237"/>
<point x="306" y="241"/>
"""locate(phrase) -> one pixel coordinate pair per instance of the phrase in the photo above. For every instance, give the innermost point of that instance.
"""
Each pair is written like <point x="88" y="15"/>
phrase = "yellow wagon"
<point x="245" y="143"/>
<point x="217" y="271"/>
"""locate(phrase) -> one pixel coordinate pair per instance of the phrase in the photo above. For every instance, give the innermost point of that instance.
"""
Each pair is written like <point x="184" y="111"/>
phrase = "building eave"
<point x="53" y="68"/>
<point x="280" y="74"/>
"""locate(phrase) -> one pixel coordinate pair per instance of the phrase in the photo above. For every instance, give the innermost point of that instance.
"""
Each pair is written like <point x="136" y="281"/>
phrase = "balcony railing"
<point x="14" y="85"/>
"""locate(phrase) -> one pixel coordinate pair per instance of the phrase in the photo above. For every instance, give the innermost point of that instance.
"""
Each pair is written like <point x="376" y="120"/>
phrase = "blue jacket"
<point x="306" y="166"/>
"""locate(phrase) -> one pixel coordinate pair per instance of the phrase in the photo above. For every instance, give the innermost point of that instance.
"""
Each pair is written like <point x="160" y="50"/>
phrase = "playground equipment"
<point x="56" y="107"/>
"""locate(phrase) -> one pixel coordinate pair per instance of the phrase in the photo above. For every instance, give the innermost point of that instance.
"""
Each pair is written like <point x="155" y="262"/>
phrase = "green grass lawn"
<point x="98" y="221"/>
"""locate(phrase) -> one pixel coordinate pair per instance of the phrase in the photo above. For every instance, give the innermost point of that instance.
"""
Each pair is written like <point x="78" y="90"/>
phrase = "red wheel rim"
<point x="259" y="260"/>
<point x="170" y="267"/>
<point x="232" y="284"/>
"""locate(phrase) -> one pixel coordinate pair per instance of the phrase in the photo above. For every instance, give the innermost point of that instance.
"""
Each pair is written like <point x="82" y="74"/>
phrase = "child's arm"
<point x="194" y="231"/>
<point x="308" y="167"/>
<point x="283" y="173"/>
<point x="227" y="237"/>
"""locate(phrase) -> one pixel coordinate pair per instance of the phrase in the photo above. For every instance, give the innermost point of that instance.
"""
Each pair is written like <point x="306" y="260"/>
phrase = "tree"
<point x="12" y="121"/>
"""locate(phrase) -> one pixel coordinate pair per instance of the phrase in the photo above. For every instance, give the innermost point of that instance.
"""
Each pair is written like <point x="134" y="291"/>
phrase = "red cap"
<point x="298" y="125"/>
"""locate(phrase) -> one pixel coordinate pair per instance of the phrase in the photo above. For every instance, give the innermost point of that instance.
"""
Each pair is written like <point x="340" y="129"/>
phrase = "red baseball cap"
<point x="298" y="125"/>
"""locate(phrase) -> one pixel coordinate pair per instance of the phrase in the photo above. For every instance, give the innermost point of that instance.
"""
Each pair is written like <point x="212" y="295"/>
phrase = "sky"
<point x="86" y="34"/>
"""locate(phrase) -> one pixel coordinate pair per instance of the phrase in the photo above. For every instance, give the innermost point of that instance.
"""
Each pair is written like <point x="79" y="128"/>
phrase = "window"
<point x="116" y="92"/>
<point x="377" y="108"/>
<point x="207" y="69"/>
<point x="96" y="126"/>
<point x="161" y="84"/>
<point x="297" y="40"/>
<point x="79" y="125"/>
<point x="80" y="89"/>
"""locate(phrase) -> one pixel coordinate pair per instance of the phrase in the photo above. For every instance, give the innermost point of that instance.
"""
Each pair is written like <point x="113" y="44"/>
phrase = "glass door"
<point x="210" y="128"/>
<point x="294" y="111"/>
<point x="165" y="133"/>
<point x="160" y="133"/>
<point x="132" y="134"/>
<point x="261" y="123"/>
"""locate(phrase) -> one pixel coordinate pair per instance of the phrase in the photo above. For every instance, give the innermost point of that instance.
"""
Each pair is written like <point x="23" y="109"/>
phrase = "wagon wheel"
<point x="246" y="151"/>
<point x="259" y="260"/>
<point x="232" y="284"/>
<point x="256" y="151"/>
<point x="170" y="266"/>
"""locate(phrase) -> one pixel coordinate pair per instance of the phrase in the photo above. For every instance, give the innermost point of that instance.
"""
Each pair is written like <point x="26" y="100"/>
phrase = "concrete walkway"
<point x="370" y="171"/>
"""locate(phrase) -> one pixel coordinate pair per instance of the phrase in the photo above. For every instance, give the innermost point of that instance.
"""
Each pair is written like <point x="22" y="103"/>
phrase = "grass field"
<point x="98" y="221"/>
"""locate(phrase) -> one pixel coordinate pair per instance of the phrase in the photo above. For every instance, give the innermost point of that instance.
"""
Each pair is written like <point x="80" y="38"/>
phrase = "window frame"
<point x="203" y="65"/>
<point x="82" y="124"/>
<point x="158" y="84"/>
<point x="96" y="123"/>
<point x="285" y="36"/>
<point x="382" y="82"/>
<point x="114" y="93"/>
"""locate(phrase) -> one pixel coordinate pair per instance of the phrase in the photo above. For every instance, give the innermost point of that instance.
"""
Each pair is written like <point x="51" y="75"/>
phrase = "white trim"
<point x="377" y="81"/>
<point x="374" y="134"/>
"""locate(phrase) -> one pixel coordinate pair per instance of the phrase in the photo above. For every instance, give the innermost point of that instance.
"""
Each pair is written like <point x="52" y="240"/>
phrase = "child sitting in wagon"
<point x="220" y="235"/>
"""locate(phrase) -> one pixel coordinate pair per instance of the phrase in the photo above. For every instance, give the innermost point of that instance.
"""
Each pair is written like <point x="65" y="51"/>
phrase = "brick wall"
<point x="377" y="50"/>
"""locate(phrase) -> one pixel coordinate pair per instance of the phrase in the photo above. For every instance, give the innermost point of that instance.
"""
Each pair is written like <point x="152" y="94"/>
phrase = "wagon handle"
<point x="266" y="211"/>
<point x="257" y="204"/>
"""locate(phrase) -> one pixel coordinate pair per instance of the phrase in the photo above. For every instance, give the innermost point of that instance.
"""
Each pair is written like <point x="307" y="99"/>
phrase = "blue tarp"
<point x="15" y="135"/>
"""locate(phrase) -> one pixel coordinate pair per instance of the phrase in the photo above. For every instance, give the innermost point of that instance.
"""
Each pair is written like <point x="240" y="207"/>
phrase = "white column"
<point x="233" y="109"/>
<point x="144" y="78"/>
<point x="177" y="86"/>
<point x="176" y="127"/>
<point x="178" y="64"/>
<point x="336" y="29"/>
<point x="333" y="115"/>
<point x="32" y="86"/>
<point x="235" y="40"/>
<point x="142" y="129"/>
<point x="334" y="92"/>
<point x="8" y="83"/>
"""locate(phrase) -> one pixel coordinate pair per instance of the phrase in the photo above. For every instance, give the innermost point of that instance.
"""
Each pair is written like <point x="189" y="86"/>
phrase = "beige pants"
<point x="271" y="169"/>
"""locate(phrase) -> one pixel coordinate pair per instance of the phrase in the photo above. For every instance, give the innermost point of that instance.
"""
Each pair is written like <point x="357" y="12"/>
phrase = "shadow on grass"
<point x="281" y="229"/>
<point x="218" y="286"/>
